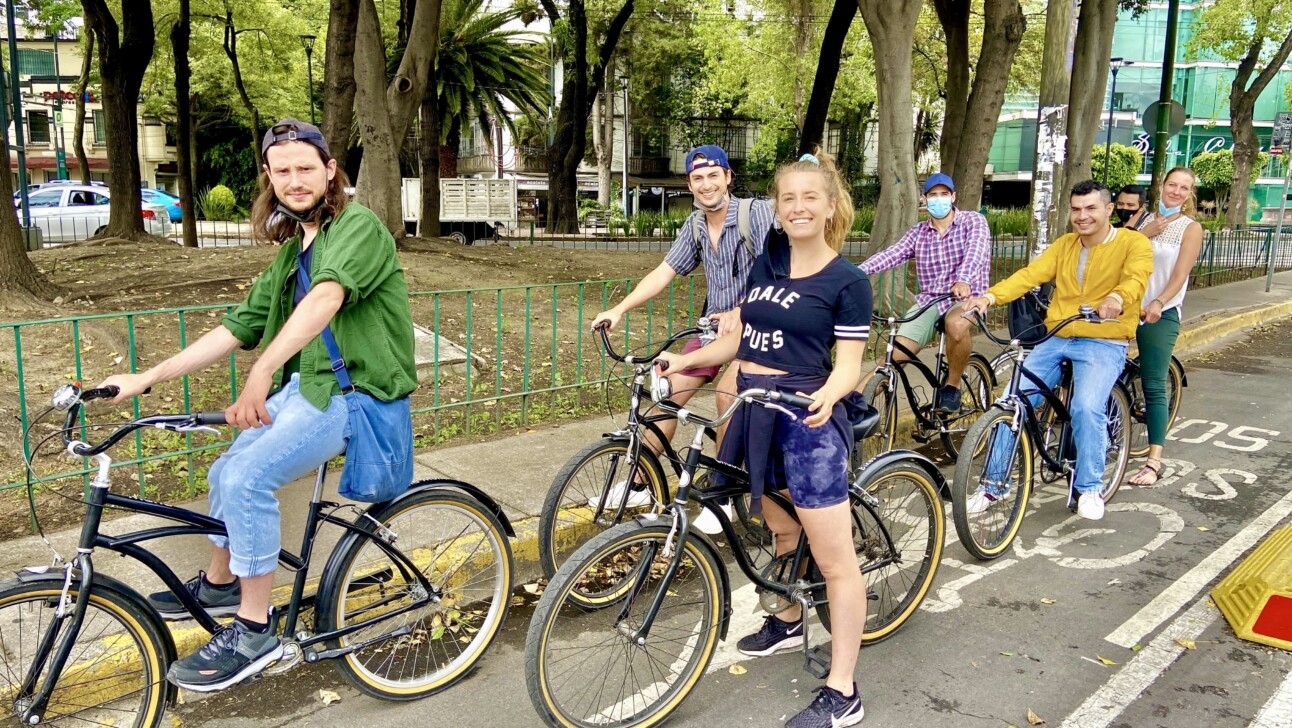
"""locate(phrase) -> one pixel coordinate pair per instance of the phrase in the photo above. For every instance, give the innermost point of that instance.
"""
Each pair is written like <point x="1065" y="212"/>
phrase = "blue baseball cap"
<point x="937" y="178"/>
<point x="714" y="156"/>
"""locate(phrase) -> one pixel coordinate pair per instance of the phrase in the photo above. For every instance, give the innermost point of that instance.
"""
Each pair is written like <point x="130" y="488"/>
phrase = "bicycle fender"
<point x="883" y="460"/>
<point x="469" y="489"/>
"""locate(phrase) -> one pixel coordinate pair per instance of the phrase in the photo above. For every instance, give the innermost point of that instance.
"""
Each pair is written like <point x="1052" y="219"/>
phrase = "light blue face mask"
<point x="1164" y="211"/>
<point x="939" y="207"/>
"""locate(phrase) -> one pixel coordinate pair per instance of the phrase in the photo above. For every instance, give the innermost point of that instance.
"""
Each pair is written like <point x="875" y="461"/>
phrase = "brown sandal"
<point x="1156" y="471"/>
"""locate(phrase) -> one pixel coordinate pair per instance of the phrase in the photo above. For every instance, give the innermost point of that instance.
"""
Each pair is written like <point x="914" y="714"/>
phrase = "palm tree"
<point x="480" y="69"/>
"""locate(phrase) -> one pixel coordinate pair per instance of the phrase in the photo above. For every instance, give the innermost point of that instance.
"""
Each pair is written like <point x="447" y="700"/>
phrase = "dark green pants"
<point x="1156" y="342"/>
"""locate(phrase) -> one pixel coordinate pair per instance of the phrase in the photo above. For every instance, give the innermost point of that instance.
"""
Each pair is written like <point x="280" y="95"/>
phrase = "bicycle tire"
<point x="1119" y="439"/>
<point x="431" y="527"/>
<point x="975" y="530"/>
<point x="551" y="665"/>
<point x="976" y="383"/>
<point x="565" y="522"/>
<point x="913" y="519"/>
<point x="880" y="395"/>
<point x="117" y="631"/>
<point x="1139" y="410"/>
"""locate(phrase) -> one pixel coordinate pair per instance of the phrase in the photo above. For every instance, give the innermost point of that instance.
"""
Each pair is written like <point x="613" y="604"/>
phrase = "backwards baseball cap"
<point x="712" y="156"/>
<point x="937" y="178"/>
<point x="294" y="130"/>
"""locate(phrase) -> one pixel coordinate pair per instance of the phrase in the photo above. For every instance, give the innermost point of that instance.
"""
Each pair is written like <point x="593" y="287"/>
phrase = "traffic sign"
<point x="1281" y="137"/>
<point x="1175" y="121"/>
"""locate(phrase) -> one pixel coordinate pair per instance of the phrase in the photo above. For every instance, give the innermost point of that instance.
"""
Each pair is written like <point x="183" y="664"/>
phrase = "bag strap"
<point x="329" y="341"/>
<point x="744" y="207"/>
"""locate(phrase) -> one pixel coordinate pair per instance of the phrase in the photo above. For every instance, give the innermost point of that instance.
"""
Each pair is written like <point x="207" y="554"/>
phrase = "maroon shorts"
<point x="708" y="374"/>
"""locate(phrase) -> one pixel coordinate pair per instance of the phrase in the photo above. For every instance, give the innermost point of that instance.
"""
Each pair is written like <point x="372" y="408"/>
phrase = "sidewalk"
<point x="517" y="470"/>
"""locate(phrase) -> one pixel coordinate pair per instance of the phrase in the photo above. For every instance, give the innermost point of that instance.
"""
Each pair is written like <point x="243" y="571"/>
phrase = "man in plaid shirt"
<point x="952" y="252"/>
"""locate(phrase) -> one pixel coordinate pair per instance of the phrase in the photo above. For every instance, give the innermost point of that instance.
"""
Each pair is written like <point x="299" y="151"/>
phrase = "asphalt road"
<point x="1085" y="625"/>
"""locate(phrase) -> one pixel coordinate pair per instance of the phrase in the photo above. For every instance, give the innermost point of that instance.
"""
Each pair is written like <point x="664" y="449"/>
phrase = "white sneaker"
<point x="979" y="502"/>
<point x="1090" y="506"/>
<point x="709" y="523"/>
<point x="637" y="497"/>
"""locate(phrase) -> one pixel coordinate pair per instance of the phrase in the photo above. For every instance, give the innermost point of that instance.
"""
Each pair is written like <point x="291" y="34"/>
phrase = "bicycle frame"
<point x="895" y="370"/>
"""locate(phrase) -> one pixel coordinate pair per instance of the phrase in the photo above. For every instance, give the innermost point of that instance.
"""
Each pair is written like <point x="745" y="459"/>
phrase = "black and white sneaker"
<point x="235" y="653"/>
<point x="830" y="709"/>
<point x="775" y="636"/>
<point x="218" y="600"/>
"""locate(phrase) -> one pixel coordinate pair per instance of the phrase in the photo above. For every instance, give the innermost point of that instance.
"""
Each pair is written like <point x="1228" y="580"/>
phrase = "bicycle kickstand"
<point x="816" y="660"/>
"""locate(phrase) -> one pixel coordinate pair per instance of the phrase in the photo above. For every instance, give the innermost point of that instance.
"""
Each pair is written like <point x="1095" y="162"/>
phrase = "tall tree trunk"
<point x="801" y="20"/>
<point x="1049" y="208"/>
<point x="1003" y="28"/>
<point x="827" y="73"/>
<point x="124" y="54"/>
<point x="387" y="110"/>
<point x="22" y="285"/>
<point x="231" y="50"/>
<point x="953" y="15"/>
<point x="577" y="96"/>
<point x="428" y="158"/>
<point x="1242" y="105"/>
<point x="338" y="71"/>
<point x="891" y="26"/>
<point x="83" y="85"/>
<point x="1091" y="54"/>
<point x="179" y="38"/>
<point x="603" y="141"/>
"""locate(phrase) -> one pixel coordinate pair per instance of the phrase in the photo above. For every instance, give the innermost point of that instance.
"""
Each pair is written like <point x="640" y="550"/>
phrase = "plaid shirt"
<point x="726" y="269"/>
<point x="963" y="255"/>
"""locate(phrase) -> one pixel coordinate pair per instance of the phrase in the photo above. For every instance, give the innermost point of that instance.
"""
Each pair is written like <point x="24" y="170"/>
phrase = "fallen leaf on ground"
<point x="1187" y="644"/>
<point x="737" y="670"/>
<point x="1105" y="660"/>
<point x="1137" y="648"/>
<point x="531" y="588"/>
<point x="1034" y="719"/>
<point x="329" y="697"/>
<point x="1204" y="529"/>
<point x="1047" y="600"/>
<point x="1007" y="654"/>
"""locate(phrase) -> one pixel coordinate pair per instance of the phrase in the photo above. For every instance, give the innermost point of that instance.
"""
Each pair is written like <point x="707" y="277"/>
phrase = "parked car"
<point x="162" y="197"/>
<point x="65" y="213"/>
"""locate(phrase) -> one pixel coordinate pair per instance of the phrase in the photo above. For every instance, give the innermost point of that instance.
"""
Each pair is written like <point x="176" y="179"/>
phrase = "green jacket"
<point x="373" y="329"/>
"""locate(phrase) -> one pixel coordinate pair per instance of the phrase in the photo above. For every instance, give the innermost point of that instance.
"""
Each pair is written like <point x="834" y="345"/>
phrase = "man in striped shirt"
<point x="952" y="252"/>
<point x="712" y="237"/>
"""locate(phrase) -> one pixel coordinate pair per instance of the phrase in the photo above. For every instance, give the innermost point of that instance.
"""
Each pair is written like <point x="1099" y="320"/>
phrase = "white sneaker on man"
<point x="709" y="523"/>
<point x="979" y="502"/>
<point x="637" y="497"/>
<point x="1090" y="506"/>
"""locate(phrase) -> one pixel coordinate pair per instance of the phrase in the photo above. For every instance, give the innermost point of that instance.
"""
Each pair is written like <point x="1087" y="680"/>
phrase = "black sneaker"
<point x="218" y="601"/>
<point x="948" y="401"/>
<point x="830" y="709"/>
<point x="231" y="656"/>
<point x="775" y="636"/>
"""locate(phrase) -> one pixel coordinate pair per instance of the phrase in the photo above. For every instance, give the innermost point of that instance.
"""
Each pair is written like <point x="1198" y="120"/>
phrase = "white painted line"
<point x="1103" y="707"/>
<point x="1183" y="590"/>
<point x="747" y="618"/>
<point x="1277" y="713"/>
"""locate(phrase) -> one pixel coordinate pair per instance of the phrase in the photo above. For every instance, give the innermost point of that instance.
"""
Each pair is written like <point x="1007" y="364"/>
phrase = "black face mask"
<point x="1124" y="215"/>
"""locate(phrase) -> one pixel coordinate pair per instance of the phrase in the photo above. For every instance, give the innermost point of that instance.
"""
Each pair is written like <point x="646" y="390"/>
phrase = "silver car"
<point x="68" y="213"/>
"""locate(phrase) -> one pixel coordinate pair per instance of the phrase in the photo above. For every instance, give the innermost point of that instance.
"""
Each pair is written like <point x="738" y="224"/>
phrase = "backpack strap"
<point x="743" y="225"/>
<point x="695" y="234"/>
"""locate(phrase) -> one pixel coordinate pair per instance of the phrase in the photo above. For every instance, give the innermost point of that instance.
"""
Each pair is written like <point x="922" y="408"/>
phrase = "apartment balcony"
<point x="648" y="166"/>
<point x="531" y="160"/>
<point x="476" y="164"/>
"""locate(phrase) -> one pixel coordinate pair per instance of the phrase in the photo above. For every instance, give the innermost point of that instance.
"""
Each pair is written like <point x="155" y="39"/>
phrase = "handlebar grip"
<point x="792" y="399"/>
<point x="209" y="418"/>
<point x="108" y="392"/>
<point x="662" y="364"/>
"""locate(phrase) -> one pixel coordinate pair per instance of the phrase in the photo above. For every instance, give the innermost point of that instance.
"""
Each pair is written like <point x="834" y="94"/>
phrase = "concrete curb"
<point x="1204" y="332"/>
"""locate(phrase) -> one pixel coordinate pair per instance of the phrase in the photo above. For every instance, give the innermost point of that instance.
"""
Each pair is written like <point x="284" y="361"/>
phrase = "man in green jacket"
<point x="291" y="411"/>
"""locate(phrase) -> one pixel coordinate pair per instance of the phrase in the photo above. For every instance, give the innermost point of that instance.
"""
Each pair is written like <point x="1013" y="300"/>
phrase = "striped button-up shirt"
<point x="726" y="266"/>
<point x="963" y="255"/>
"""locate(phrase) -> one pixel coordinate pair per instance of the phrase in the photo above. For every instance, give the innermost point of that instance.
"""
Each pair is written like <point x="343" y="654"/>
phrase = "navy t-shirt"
<point x="791" y="324"/>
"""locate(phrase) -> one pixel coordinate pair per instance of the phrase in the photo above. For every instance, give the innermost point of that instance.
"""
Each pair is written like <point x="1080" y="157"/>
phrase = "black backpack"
<point x="1026" y="315"/>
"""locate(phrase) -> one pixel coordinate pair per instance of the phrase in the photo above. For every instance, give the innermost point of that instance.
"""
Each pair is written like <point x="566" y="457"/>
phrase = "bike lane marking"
<point x="1277" y="713"/>
<point x="1123" y="688"/>
<point x="1182" y="590"/>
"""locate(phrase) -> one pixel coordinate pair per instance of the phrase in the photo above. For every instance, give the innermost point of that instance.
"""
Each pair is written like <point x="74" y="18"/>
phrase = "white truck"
<point x="470" y="209"/>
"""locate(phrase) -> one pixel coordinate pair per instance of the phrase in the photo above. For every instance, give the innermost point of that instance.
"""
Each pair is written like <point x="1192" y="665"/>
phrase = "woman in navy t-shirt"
<point x="803" y="300"/>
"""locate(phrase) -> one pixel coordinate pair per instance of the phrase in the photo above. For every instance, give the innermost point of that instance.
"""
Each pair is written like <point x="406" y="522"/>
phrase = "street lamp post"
<point x="308" y="42"/>
<point x="1116" y="64"/>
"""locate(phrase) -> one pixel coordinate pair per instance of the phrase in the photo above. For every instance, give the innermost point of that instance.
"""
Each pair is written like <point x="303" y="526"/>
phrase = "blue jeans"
<point x="1096" y="365"/>
<point x="245" y="478"/>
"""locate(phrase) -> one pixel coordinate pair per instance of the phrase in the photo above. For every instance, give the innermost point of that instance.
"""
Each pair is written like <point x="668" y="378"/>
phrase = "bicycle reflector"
<point x="1256" y="597"/>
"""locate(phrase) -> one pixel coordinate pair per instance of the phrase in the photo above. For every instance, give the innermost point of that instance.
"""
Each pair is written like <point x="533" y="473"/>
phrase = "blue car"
<point x="162" y="197"/>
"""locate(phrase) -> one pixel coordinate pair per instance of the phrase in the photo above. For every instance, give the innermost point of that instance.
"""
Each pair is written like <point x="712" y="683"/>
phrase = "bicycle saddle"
<point x="864" y="426"/>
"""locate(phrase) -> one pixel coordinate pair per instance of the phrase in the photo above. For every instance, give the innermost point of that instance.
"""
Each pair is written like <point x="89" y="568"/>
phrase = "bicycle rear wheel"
<point x="115" y="673"/>
<point x="1119" y="441"/>
<point x="994" y="461"/>
<point x="880" y="395"/>
<point x="584" y="668"/>
<point x="1139" y="408"/>
<point x="462" y="551"/>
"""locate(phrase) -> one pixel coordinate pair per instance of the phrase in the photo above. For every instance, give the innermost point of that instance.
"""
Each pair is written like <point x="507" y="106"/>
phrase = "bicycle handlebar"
<point x="893" y="319"/>
<point x="1086" y="313"/>
<point x="703" y="327"/>
<point x="70" y="399"/>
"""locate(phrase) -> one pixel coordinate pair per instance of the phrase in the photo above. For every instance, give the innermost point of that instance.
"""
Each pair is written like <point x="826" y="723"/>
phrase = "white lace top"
<point x="1166" y="250"/>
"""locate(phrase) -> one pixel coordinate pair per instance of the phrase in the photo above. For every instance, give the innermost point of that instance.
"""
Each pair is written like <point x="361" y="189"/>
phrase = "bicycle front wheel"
<point x="460" y="549"/>
<point x="586" y="668"/>
<point x="115" y="673"/>
<point x="993" y="477"/>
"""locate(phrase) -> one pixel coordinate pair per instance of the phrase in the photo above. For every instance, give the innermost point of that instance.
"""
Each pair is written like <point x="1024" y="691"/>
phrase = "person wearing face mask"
<point x="952" y="252"/>
<point x="1177" y="241"/>
<point x="724" y="235"/>
<point x="1130" y="209"/>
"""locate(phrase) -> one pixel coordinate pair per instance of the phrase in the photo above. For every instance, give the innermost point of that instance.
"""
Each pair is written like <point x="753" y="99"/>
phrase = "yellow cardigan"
<point x="1121" y="265"/>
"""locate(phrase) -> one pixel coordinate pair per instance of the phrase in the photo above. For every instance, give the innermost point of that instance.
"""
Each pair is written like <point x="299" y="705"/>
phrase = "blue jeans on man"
<point x="1096" y="366"/>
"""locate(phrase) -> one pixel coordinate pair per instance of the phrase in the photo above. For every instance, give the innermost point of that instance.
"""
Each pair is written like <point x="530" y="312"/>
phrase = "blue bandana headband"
<point x="810" y="158"/>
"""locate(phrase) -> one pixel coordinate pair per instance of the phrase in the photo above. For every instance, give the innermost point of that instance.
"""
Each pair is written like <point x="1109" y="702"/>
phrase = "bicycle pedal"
<point x="816" y="661"/>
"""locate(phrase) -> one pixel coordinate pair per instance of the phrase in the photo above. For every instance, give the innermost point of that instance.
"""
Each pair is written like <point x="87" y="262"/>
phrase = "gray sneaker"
<point x="218" y="601"/>
<point x="233" y="654"/>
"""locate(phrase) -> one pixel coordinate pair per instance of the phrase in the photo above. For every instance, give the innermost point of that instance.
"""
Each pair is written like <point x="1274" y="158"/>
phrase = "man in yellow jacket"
<point x="1100" y="266"/>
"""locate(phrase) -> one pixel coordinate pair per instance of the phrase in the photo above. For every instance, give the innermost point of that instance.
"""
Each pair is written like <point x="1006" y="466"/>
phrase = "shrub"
<point x="864" y="221"/>
<point x="218" y="204"/>
<point x="1009" y="221"/>
<point x="1124" y="165"/>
